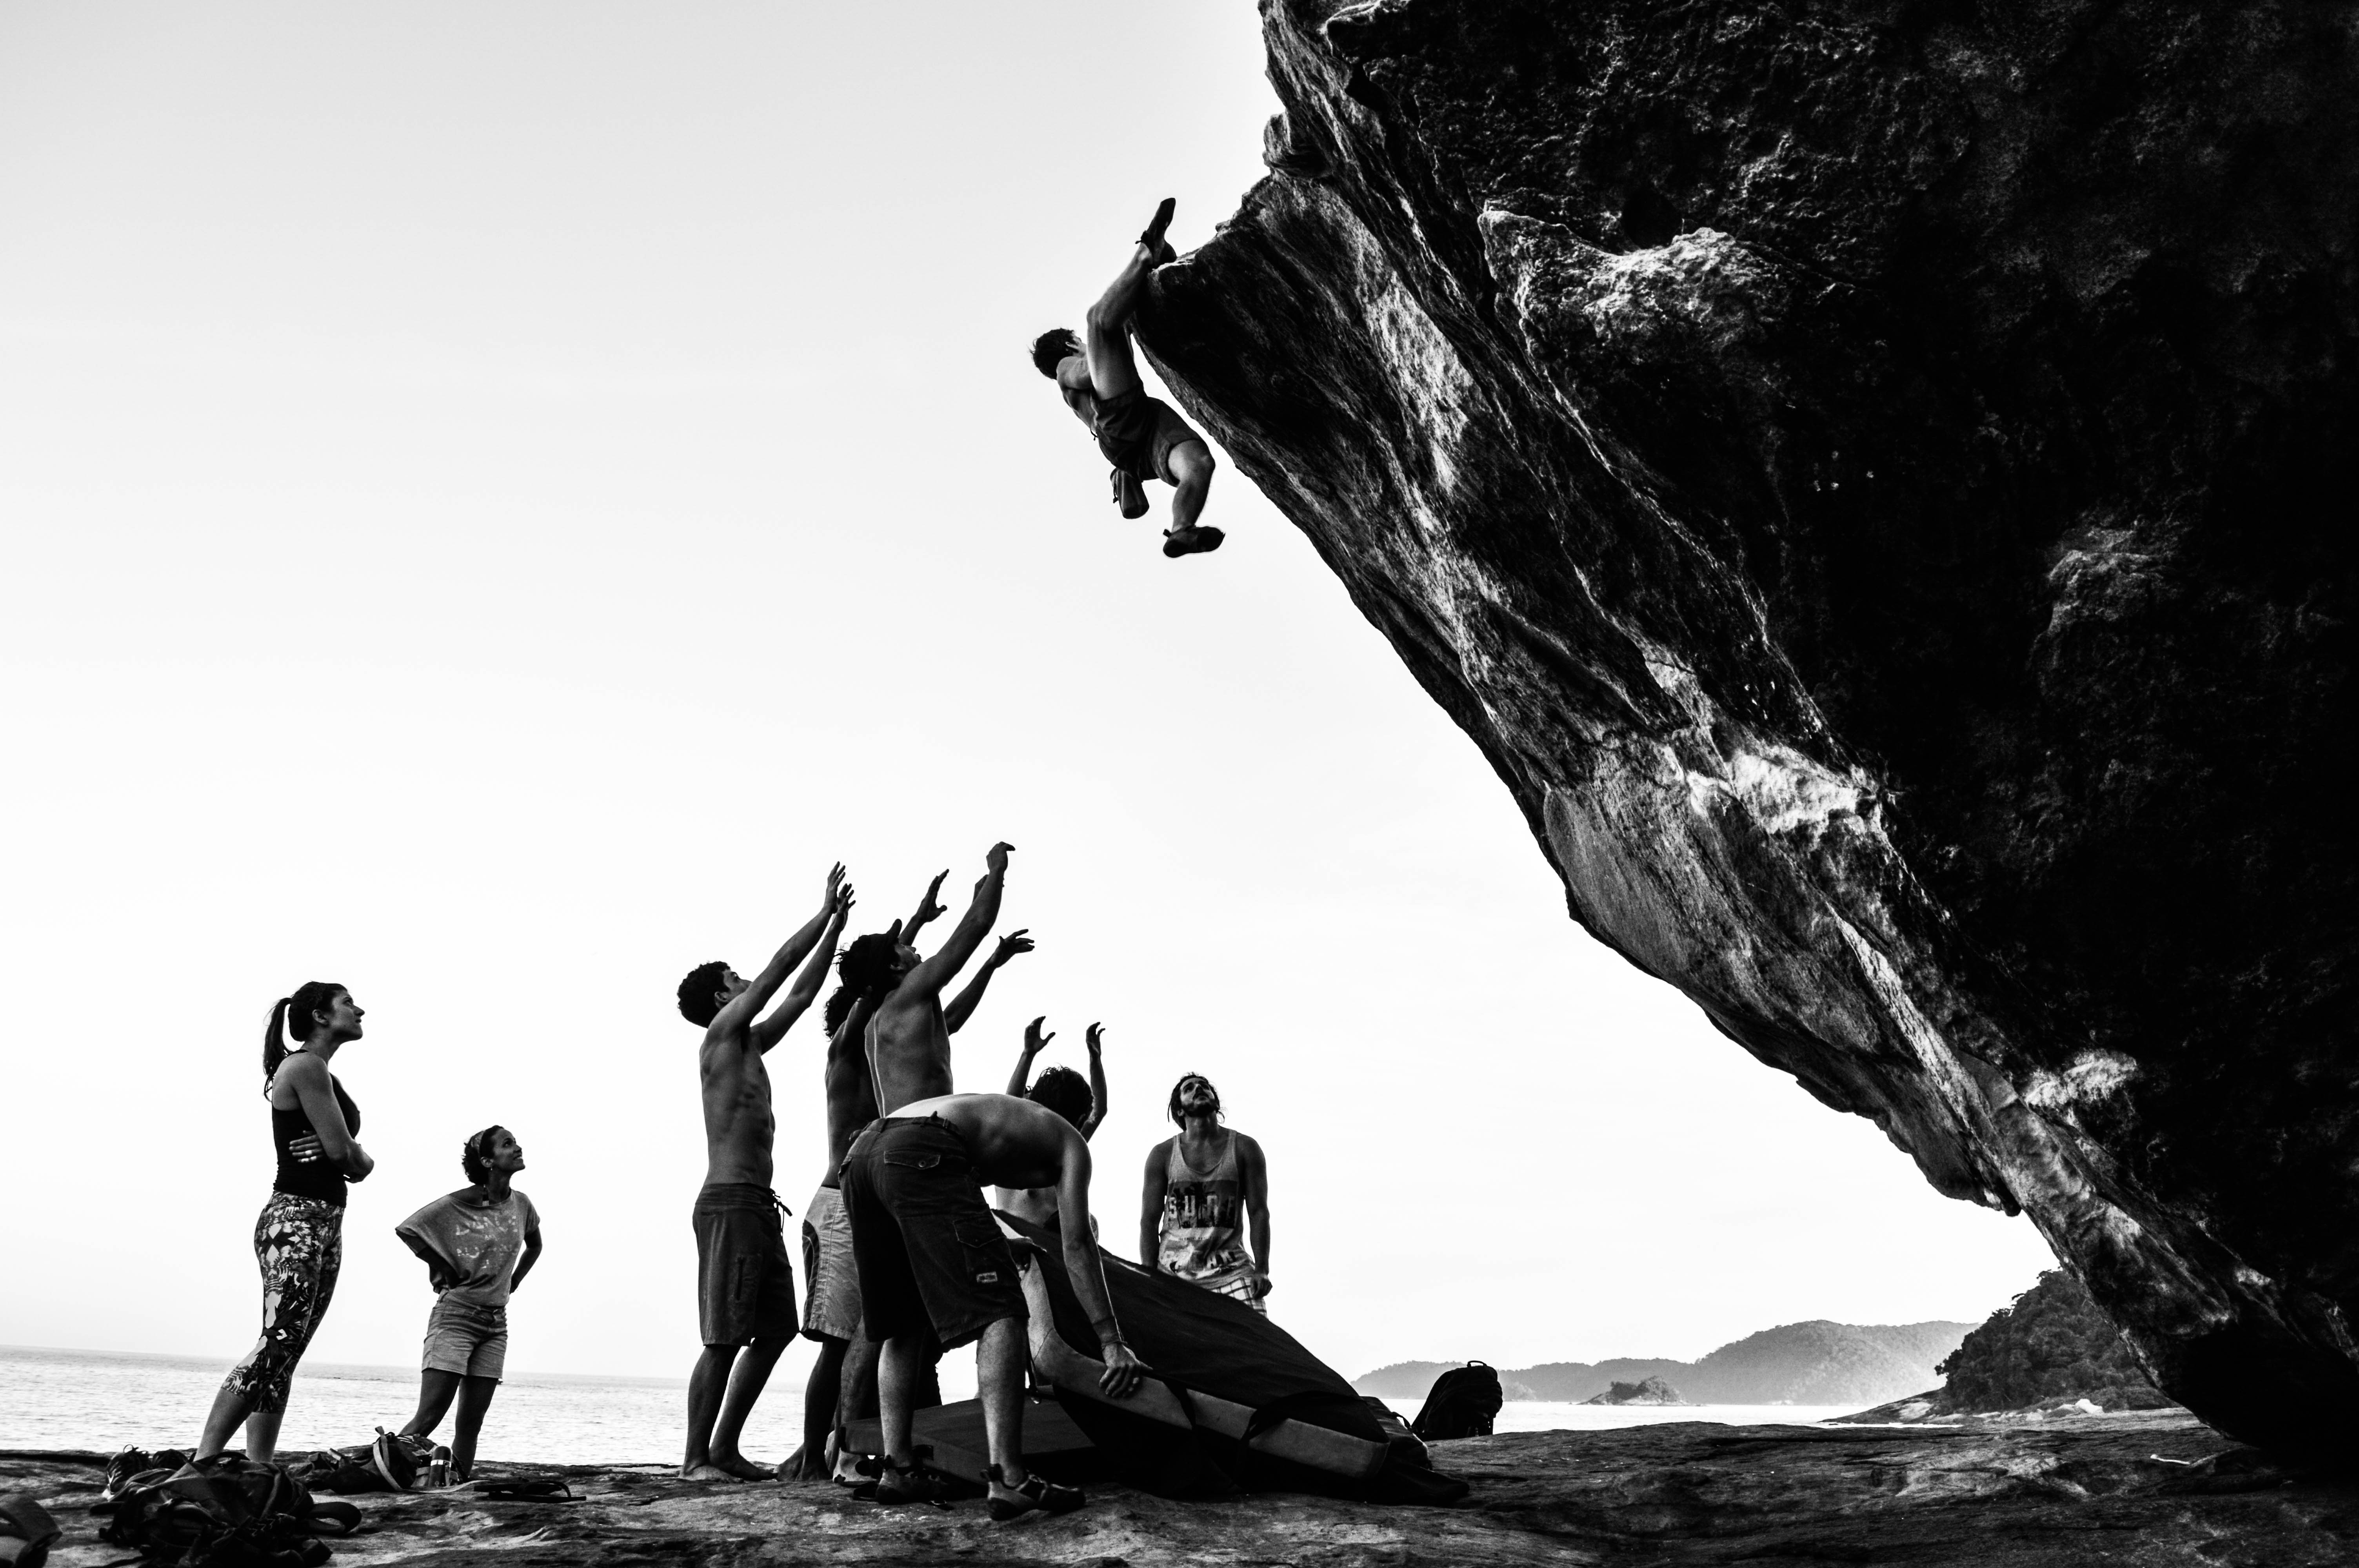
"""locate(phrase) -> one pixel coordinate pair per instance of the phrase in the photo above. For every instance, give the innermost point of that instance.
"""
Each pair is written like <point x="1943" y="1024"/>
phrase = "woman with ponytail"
<point x="299" y="1238"/>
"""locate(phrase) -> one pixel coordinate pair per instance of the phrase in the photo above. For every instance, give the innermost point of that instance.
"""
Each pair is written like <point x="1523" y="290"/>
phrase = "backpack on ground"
<point x="228" y="1514"/>
<point x="1463" y="1402"/>
<point x="27" y="1531"/>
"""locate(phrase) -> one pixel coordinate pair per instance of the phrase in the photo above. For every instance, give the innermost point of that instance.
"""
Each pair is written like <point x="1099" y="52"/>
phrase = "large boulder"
<point x="1877" y="482"/>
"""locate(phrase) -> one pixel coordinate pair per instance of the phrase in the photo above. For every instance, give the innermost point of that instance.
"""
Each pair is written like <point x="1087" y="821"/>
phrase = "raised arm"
<point x="316" y="1092"/>
<point x="748" y="1004"/>
<point x="1087" y="1271"/>
<point x="929" y="977"/>
<point x="806" y="989"/>
<point x="1094" y="1035"/>
<point x="1254" y="1172"/>
<point x="1034" y="1039"/>
<point x="1150" y="1205"/>
<point x="962" y="1007"/>
<point x="928" y="907"/>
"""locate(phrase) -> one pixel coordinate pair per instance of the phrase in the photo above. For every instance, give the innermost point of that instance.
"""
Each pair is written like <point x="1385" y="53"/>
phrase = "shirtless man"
<point x="936" y="1269"/>
<point x="843" y="1376"/>
<point x="1202" y="1188"/>
<point x="1063" y="1091"/>
<point x="908" y="1038"/>
<point x="1139" y="435"/>
<point x="744" y="1286"/>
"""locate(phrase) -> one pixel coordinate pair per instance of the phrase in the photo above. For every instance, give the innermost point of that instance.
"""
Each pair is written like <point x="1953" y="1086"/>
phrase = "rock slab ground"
<point x="2071" y="1491"/>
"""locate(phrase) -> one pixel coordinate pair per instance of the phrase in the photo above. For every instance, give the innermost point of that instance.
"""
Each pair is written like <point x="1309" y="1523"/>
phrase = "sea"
<point x="102" y="1401"/>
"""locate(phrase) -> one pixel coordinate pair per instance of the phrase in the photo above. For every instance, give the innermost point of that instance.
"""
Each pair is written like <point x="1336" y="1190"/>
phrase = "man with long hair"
<point x="1142" y="436"/>
<point x="843" y="1382"/>
<point x="1202" y="1188"/>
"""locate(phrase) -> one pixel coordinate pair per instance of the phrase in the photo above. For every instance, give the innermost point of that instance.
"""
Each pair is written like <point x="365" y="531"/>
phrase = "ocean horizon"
<point x="101" y="1401"/>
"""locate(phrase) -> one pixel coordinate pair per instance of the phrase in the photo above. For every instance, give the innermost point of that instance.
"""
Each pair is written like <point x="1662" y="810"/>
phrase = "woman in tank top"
<point x="1204" y="1187"/>
<point x="299" y="1238"/>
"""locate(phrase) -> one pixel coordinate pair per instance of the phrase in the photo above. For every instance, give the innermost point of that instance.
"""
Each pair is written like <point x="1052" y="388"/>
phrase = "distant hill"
<point x="1815" y="1363"/>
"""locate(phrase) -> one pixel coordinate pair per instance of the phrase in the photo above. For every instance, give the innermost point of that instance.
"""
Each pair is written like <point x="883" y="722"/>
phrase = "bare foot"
<point x="794" y="1467"/>
<point x="704" y="1473"/>
<point x="744" y="1469"/>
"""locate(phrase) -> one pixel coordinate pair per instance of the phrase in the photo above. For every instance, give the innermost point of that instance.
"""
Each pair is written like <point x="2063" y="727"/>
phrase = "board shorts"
<point x="299" y="1244"/>
<point x="462" y="1337"/>
<point x="744" y="1286"/>
<point x="930" y="1257"/>
<point x="831" y="1279"/>
<point x="1136" y="434"/>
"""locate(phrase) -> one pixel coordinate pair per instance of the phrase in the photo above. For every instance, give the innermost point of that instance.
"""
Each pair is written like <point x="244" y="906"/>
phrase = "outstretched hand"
<point x="930" y="907"/>
<point x="1124" y="1371"/>
<point x="996" y="861"/>
<point x="1014" y="943"/>
<point x="839" y="906"/>
<point x="835" y="889"/>
<point x="1036" y="1038"/>
<point x="1093" y="1036"/>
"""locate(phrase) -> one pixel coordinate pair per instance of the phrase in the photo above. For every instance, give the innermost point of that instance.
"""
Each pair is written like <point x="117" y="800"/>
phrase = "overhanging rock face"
<point x="1878" y="483"/>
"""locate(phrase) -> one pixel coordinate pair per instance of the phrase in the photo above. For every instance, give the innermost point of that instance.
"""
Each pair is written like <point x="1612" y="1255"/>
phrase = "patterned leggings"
<point x="299" y="1242"/>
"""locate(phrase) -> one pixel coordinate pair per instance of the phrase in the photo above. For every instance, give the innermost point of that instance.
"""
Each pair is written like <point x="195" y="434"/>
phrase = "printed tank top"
<point x="1203" y="1220"/>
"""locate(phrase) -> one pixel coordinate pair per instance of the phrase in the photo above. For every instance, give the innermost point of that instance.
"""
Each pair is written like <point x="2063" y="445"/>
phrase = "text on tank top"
<point x="316" y="1178"/>
<point x="1203" y="1217"/>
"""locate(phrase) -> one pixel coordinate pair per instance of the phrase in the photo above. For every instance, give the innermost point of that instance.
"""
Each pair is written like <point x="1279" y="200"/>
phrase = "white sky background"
<point x="496" y="498"/>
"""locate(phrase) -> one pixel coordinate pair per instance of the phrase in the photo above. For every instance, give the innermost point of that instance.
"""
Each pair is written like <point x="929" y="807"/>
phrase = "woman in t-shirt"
<point x="478" y="1243"/>
<point x="299" y="1238"/>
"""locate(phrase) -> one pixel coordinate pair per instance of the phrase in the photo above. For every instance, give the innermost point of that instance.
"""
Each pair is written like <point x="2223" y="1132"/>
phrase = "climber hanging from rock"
<point x="1140" y="436"/>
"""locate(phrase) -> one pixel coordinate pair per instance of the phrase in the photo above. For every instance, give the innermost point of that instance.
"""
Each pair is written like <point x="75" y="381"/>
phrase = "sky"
<point x="495" y="499"/>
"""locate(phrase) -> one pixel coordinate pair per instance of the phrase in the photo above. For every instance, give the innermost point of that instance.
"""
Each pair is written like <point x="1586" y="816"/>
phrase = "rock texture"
<point x="1875" y="481"/>
<point x="2068" y="1493"/>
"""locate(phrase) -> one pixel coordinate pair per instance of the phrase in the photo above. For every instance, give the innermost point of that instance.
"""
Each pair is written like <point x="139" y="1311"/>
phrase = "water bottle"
<point x="437" y="1470"/>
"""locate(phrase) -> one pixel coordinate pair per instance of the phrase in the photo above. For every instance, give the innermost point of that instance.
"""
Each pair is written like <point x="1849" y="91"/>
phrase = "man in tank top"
<point x="1202" y="1187"/>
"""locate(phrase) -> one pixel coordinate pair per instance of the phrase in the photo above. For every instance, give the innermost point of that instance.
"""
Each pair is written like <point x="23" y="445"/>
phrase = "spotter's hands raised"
<point x="930" y="907"/>
<point x="1014" y="943"/>
<point x="996" y="861"/>
<point x="1093" y="1036"/>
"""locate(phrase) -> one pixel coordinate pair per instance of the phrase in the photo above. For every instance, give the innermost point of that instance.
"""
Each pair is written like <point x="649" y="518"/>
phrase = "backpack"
<point x="27" y="1531"/>
<point x="1462" y="1404"/>
<point x="231" y="1514"/>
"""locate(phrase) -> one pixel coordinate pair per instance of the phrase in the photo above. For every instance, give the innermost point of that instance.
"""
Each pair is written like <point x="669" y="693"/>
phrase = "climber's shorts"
<point x="1136" y="434"/>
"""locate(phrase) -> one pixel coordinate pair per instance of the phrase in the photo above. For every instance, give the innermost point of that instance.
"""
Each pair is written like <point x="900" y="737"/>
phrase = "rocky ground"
<point x="2124" y="1489"/>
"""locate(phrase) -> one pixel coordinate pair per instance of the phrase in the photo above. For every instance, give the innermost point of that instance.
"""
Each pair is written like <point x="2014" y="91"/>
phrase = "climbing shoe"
<point x="123" y="1466"/>
<point x="1152" y="235"/>
<point x="1036" y="1492"/>
<point x="912" y="1483"/>
<point x="1196" y="541"/>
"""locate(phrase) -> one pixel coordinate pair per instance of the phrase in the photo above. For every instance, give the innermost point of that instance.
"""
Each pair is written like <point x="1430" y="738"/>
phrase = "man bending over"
<point x="1063" y="1091"/>
<point x="936" y="1271"/>
<point x="1140" y="436"/>
<point x="744" y="1286"/>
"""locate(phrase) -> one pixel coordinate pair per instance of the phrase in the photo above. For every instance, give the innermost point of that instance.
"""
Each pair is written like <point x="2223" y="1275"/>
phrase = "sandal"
<point x="1038" y="1491"/>
<point x="910" y="1483"/>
